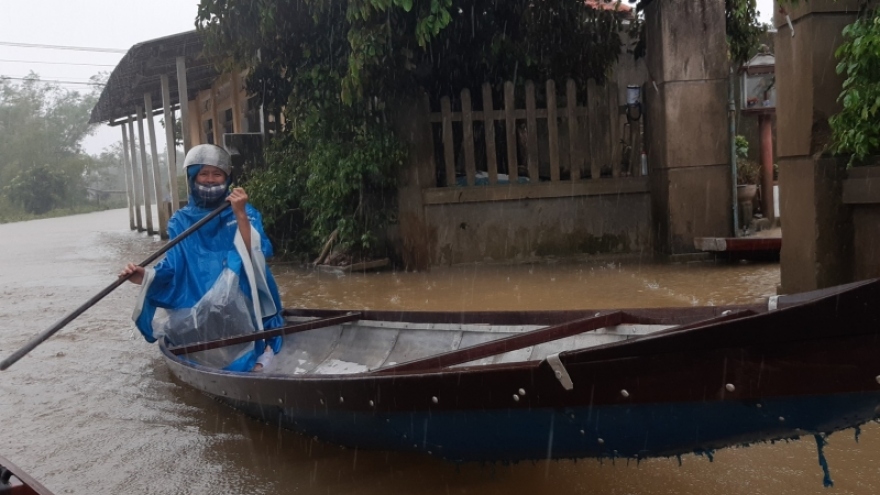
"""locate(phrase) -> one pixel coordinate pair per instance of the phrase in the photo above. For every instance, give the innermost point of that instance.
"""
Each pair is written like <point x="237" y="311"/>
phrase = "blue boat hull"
<point x="627" y="431"/>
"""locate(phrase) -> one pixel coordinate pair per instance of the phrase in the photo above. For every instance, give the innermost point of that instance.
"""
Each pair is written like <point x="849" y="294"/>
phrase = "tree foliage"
<point x="743" y="29"/>
<point x="41" y="131"/>
<point x="856" y="128"/>
<point x="332" y="66"/>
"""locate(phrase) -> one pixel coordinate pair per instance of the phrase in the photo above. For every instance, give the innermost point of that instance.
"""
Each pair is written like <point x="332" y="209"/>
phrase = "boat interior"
<point x="364" y="346"/>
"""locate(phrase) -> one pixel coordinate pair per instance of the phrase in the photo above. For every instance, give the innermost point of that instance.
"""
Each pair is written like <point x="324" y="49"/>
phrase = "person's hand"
<point x="238" y="198"/>
<point x="136" y="271"/>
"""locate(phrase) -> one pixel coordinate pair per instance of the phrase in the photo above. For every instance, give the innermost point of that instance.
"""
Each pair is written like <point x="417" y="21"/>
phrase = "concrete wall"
<point x="861" y="194"/>
<point x="687" y="136"/>
<point x="817" y="247"/>
<point x="504" y="230"/>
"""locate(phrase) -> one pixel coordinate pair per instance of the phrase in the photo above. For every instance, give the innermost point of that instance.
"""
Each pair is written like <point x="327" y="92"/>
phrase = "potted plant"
<point x="748" y="175"/>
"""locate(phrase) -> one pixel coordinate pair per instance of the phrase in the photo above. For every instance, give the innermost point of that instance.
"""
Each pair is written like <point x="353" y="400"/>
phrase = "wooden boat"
<point x="510" y="386"/>
<point x="14" y="481"/>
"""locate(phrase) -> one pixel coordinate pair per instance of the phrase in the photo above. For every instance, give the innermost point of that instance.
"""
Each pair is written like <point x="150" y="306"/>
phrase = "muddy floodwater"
<point x="94" y="410"/>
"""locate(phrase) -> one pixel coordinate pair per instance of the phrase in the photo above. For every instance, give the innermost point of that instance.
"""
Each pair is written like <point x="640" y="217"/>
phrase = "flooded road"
<point x="95" y="411"/>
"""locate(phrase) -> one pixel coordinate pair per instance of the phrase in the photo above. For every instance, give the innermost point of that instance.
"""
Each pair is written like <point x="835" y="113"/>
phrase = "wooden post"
<point x="183" y="99"/>
<point x="129" y="188"/>
<point x="215" y="118"/>
<point x="510" y="127"/>
<point x="553" y="130"/>
<point x="135" y="177"/>
<point x="597" y="105"/>
<point x="467" y="123"/>
<point x="489" y="132"/>
<point x="148" y="207"/>
<point x="532" y="133"/>
<point x="170" y="145"/>
<point x="575" y="158"/>
<point x="614" y="124"/>
<point x="158" y="187"/>
<point x="448" y="148"/>
<point x="765" y="125"/>
<point x="236" y="103"/>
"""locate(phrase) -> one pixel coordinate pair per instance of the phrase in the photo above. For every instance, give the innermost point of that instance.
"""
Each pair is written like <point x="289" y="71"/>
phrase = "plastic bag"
<point x="223" y="312"/>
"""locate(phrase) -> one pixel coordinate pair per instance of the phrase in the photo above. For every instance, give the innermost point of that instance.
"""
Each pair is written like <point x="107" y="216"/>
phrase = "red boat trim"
<point x="29" y="485"/>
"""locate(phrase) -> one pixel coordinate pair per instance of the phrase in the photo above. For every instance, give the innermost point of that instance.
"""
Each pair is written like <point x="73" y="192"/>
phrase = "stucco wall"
<point x="501" y="230"/>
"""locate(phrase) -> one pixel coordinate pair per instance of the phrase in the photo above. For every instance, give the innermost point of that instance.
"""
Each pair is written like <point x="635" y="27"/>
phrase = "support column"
<point x="148" y="207"/>
<point x="414" y="243"/>
<point x="136" y="176"/>
<point x="687" y="136"/>
<point x="129" y="188"/>
<point x="236" y="102"/>
<point x="162" y="204"/>
<point x="765" y="125"/>
<point x="170" y="145"/>
<point x="183" y="98"/>
<point x="817" y="229"/>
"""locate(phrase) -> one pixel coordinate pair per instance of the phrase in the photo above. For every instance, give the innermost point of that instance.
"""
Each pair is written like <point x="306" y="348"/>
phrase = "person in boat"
<point x="215" y="283"/>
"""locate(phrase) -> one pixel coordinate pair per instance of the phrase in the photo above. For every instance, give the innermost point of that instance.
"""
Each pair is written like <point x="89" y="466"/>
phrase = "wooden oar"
<point x="42" y="337"/>
<point x="267" y="334"/>
<point x="507" y="344"/>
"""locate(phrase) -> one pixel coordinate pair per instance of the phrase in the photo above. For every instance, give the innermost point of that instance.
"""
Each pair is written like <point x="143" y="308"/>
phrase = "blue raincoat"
<point x="205" y="287"/>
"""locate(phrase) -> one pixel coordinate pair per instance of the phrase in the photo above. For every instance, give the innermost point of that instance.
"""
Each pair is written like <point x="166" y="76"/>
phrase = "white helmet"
<point x="209" y="154"/>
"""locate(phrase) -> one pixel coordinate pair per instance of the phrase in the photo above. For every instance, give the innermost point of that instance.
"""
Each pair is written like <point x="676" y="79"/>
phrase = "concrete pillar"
<point x="129" y="187"/>
<point x="136" y="176"/>
<point x="170" y="146"/>
<point x="183" y="98"/>
<point x="414" y="239"/>
<point x="817" y="227"/>
<point x="162" y="204"/>
<point x="148" y="206"/>
<point x="687" y="134"/>
<point x="765" y="124"/>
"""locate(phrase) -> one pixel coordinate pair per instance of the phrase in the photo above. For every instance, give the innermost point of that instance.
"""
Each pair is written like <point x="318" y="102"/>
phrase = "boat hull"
<point x="808" y="369"/>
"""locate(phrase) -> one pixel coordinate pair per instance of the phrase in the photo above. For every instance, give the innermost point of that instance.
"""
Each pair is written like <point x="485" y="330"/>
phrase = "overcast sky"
<point x="111" y="24"/>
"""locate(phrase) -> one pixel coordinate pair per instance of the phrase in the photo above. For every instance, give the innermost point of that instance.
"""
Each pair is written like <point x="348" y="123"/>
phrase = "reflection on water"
<point x="95" y="410"/>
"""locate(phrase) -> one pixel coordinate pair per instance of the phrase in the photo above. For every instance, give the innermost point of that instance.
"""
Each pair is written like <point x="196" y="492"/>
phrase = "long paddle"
<point x="266" y="334"/>
<point x="42" y="337"/>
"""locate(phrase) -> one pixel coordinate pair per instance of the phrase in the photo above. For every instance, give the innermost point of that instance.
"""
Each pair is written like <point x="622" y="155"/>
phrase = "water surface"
<point x="94" y="410"/>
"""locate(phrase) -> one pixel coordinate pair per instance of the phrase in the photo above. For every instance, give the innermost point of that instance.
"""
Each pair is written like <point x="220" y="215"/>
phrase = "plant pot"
<point x="745" y="194"/>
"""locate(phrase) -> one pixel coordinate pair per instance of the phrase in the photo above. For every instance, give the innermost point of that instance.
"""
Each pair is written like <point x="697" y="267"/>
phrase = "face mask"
<point x="209" y="195"/>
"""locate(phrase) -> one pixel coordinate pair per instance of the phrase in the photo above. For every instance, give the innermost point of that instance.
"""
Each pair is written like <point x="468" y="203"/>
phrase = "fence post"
<point x="489" y="132"/>
<point x="448" y="148"/>
<point x="552" y="130"/>
<point x="510" y="126"/>
<point x="575" y="158"/>
<point x="532" y="133"/>
<point x="467" y="123"/>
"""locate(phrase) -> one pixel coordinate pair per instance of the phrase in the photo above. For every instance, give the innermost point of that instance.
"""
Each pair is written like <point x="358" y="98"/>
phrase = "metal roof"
<point x="140" y="69"/>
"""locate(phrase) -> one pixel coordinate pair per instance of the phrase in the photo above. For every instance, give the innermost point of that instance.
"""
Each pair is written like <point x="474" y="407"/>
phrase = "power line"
<point x="51" y="81"/>
<point x="54" y="63"/>
<point x="63" y="47"/>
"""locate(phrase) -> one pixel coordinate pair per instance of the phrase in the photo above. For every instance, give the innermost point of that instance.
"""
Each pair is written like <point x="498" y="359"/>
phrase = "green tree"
<point x="41" y="131"/>
<point x="333" y="66"/>
<point x="856" y="128"/>
<point x="38" y="189"/>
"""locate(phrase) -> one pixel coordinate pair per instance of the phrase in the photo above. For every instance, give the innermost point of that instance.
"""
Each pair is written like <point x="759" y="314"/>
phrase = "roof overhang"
<point x="140" y="70"/>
